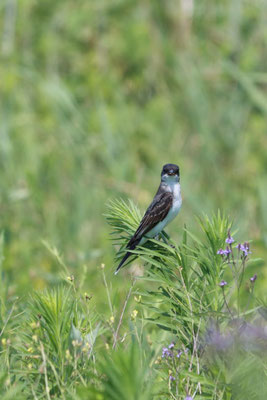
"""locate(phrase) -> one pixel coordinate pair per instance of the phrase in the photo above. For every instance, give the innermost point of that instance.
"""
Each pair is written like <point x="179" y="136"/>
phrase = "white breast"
<point x="177" y="202"/>
<point x="176" y="205"/>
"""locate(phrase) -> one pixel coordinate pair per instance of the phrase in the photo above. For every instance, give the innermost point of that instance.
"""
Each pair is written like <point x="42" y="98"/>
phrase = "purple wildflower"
<point x="227" y="250"/>
<point x="229" y="239"/>
<point x="188" y="398"/>
<point x="171" y="346"/>
<point x="253" y="278"/>
<point x="171" y="378"/>
<point x="179" y="353"/>
<point x="222" y="283"/>
<point x="224" y="252"/>
<point x="244" y="248"/>
<point x="165" y="352"/>
<point x="221" y="252"/>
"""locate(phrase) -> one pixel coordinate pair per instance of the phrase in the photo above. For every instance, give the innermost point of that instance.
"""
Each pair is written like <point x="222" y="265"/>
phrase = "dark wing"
<point x="155" y="213"/>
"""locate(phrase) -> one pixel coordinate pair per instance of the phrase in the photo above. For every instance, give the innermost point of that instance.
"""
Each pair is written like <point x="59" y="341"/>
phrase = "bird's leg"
<point x="166" y="238"/>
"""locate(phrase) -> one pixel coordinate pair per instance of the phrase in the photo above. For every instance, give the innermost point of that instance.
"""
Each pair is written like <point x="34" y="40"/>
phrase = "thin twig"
<point x="57" y="379"/>
<point x="195" y="336"/>
<point x="240" y="276"/>
<point x="107" y="290"/>
<point x="122" y="313"/>
<point x="33" y="393"/>
<point x="225" y="302"/>
<point x="45" y="371"/>
<point x="8" y="318"/>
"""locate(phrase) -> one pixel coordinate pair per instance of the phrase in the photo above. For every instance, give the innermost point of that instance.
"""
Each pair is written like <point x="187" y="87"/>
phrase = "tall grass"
<point x="192" y="325"/>
<point x="97" y="97"/>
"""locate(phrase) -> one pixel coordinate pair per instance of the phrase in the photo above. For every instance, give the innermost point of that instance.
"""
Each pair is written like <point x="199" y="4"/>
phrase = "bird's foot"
<point x="166" y="240"/>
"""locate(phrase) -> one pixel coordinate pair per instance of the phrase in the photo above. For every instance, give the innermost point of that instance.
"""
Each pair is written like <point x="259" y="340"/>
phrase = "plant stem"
<point x="122" y="313"/>
<point x="107" y="289"/>
<point x="45" y="372"/>
<point x="240" y="283"/>
<point x="226" y="303"/>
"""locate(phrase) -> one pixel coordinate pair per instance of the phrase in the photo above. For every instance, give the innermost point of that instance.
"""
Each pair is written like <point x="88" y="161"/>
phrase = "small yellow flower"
<point x="3" y="341"/>
<point x="35" y="338"/>
<point x="111" y="319"/>
<point x="107" y="346"/>
<point x="134" y="315"/>
<point x="158" y="360"/>
<point x="29" y="366"/>
<point x="68" y="355"/>
<point x="70" y="278"/>
<point x="30" y="350"/>
<point x="137" y="298"/>
<point x="102" y="266"/>
<point x="86" y="347"/>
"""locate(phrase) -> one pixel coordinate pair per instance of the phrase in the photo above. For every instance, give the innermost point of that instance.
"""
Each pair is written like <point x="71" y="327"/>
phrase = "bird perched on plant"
<point x="163" y="209"/>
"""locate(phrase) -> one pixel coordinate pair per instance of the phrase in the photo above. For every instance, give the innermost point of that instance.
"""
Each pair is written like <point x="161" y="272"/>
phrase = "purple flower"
<point x="224" y="252"/>
<point x="221" y="252"/>
<point x="166" y="352"/>
<point x="171" y="378"/>
<point x="171" y="346"/>
<point x="229" y="239"/>
<point x="244" y="248"/>
<point x="179" y="353"/>
<point x="227" y="250"/>
<point x="253" y="278"/>
<point x="222" y="283"/>
<point x="188" y="398"/>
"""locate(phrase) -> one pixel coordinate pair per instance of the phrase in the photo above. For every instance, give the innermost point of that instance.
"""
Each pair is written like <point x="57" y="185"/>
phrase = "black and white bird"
<point x="163" y="209"/>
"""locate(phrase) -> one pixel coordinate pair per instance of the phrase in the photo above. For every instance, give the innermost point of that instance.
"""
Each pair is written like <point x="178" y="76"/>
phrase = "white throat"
<point x="172" y="185"/>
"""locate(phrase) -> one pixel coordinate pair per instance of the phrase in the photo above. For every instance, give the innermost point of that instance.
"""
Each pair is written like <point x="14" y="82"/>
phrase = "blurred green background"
<point x="97" y="95"/>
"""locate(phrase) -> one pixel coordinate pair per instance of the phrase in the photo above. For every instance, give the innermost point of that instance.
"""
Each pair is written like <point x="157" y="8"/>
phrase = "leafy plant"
<point x="193" y="302"/>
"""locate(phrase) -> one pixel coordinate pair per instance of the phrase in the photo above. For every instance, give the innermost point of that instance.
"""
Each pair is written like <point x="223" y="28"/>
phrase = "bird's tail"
<point x="131" y="246"/>
<point x="127" y="255"/>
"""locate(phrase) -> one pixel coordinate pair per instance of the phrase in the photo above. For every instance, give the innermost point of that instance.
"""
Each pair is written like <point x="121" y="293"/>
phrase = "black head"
<point x="170" y="170"/>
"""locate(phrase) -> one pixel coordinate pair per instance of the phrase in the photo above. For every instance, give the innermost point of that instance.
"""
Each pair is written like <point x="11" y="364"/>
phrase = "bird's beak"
<point x="171" y="173"/>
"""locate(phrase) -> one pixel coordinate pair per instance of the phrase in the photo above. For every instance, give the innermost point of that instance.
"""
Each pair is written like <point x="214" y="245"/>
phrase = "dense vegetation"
<point x="95" y="97"/>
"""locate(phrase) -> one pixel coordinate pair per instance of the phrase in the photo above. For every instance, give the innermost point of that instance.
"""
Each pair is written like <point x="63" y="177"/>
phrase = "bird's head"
<point x="170" y="173"/>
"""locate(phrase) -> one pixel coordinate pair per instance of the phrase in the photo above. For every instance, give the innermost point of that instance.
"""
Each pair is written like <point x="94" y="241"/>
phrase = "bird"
<point x="163" y="209"/>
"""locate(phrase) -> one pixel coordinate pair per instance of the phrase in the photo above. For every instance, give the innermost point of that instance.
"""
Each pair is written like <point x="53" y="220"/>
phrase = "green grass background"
<point x="97" y="95"/>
